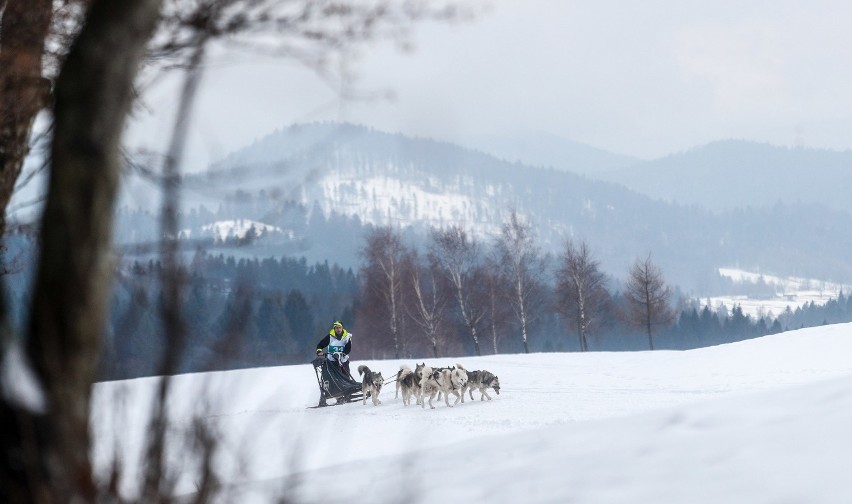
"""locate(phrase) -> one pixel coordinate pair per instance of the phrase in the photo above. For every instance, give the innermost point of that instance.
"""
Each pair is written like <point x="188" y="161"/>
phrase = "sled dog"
<point x="445" y="380"/>
<point x="481" y="380"/>
<point x="371" y="383"/>
<point x="409" y="382"/>
<point x="402" y="368"/>
<point x="450" y="368"/>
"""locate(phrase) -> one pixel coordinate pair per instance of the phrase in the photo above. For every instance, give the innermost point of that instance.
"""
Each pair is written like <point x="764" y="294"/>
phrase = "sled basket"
<point x="335" y="384"/>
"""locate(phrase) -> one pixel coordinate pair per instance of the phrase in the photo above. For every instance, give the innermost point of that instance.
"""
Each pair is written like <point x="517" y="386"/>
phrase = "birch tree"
<point x="582" y="297"/>
<point x="458" y="256"/>
<point x="523" y="267"/>
<point x="383" y="280"/>
<point x="499" y="308"/>
<point x="428" y="301"/>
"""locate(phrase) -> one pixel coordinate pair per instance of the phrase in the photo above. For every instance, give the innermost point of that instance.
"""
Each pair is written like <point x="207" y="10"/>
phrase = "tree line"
<point x="458" y="296"/>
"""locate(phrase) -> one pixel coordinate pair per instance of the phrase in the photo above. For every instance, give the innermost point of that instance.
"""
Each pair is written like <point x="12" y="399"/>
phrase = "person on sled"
<point x="337" y="340"/>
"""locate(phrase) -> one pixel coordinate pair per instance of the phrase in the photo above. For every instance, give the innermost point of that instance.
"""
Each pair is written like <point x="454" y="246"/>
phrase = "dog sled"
<point x="336" y="386"/>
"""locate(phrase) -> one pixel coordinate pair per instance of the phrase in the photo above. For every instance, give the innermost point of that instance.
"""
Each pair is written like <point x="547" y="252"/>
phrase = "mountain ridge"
<point x="730" y="174"/>
<point x="375" y="178"/>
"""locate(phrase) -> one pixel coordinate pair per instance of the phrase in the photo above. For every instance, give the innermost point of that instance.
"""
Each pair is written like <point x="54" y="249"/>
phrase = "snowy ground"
<point x="760" y="421"/>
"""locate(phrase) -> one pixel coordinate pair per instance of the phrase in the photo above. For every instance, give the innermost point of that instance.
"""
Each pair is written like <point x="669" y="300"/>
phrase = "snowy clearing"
<point x="759" y="421"/>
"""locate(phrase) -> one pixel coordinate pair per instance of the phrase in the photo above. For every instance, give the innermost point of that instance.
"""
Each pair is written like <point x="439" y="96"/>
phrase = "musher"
<point x="338" y="341"/>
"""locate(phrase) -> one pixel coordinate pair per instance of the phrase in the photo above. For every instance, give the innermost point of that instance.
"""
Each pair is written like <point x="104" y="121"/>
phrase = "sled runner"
<point x="335" y="384"/>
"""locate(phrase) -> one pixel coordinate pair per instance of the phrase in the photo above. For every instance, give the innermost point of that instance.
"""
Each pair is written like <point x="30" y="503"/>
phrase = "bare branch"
<point x="459" y="259"/>
<point x="648" y="298"/>
<point x="581" y="290"/>
<point x="523" y="268"/>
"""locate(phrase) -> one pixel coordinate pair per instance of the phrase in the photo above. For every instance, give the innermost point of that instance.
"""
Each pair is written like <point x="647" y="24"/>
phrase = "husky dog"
<point x="372" y="383"/>
<point x="446" y="380"/>
<point x="426" y="384"/>
<point x="409" y="382"/>
<point x="450" y="368"/>
<point x="482" y="380"/>
<point x="402" y="368"/>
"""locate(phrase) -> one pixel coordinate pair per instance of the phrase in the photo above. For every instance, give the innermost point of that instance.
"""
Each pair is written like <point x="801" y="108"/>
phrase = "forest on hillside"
<point x="248" y="312"/>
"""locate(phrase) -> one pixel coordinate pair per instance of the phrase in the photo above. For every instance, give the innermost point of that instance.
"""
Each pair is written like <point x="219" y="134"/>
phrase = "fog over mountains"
<point x="752" y="206"/>
<point x="733" y="174"/>
<point x="720" y="176"/>
<point x="537" y="148"/>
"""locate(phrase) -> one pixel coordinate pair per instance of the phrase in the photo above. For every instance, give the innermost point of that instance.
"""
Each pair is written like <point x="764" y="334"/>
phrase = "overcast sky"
<point x="640" y="78"/>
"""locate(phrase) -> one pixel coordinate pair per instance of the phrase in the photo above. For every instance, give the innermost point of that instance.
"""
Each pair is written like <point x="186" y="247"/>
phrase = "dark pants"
<point x="345" y="366"/>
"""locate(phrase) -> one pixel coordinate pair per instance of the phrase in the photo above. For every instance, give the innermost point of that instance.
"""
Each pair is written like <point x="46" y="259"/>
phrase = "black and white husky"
<point x="445" y="381"/>
<point x="408" y="382"/>
<point x="481" y="380"/>
<point x="371" y="383"/>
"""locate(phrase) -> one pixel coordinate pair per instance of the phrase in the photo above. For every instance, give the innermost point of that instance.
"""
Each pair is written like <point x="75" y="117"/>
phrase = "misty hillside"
<point x="297" y="178"/>
<point x="551" y="151"/>
<point x="734" y="174"/>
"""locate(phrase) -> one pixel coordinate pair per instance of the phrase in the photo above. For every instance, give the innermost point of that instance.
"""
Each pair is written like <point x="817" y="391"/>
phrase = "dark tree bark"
<point x="24" y="92"/>
<point x="45" y="443"/>
<point x="92" y="99"/>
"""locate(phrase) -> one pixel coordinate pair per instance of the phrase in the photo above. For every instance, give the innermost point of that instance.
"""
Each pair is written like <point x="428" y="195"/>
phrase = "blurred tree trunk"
<point x="24" y="29"/>
<point x="93" y="97"/>
<point x="45" y="447"/>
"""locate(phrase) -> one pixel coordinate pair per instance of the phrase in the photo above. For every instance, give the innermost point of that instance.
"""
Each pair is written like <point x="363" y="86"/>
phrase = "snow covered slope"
<point x="759" y="421"/>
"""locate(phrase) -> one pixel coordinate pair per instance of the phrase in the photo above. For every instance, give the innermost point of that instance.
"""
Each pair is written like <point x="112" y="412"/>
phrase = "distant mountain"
<point x="551" y="151"/>
<point x="734" y="174"/>
<point x="390" y="178"/>
<point x="324" y="183"/>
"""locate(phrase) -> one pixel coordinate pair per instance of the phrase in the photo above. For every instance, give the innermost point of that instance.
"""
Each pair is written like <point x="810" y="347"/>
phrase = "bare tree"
<point x="499" y="309"/>
<point x="428" y="301"/>
<point x="382" y="274"/>
<point x="523" y="266"/>
<point x="458" y="257"/>
<point x="582" y="296"/>
<point x="647" y="296"/>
